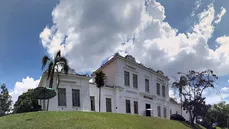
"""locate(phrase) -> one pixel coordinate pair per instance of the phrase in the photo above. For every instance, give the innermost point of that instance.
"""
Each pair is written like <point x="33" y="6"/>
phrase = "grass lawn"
<point x="85" y="120"/>
<point x="220" y="128"/>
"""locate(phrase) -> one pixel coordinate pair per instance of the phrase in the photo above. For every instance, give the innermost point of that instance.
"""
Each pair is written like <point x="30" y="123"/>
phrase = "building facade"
<point x="72" y="94"/>
<point x="133" y="88"/>
<point x="130" y="88"/>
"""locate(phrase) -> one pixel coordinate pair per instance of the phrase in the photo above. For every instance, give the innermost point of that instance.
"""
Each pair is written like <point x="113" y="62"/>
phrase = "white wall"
<point x="176" y="108"/>
<point x="105" y="93"/>
<point x="115" y="76"/>
<point x="69" y="82"/>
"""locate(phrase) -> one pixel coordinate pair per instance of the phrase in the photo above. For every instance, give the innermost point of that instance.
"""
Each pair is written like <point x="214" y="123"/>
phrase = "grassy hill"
<point x="85" y="120"/>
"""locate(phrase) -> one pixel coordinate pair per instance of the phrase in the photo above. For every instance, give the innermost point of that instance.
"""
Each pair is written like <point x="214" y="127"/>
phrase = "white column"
<point x="117" y="101"/>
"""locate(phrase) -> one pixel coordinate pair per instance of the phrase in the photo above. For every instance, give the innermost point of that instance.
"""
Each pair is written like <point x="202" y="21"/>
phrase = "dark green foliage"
<point x="5" y="100"/>
<point x="191" y="87"/>
<point x="26" y="103"/>
<point x="218" y="113"/>
<point x="58" y="63"/>
<point x="100" y="79"/>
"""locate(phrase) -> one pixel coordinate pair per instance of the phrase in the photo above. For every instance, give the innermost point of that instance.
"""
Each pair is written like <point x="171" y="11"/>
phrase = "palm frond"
<point x="50" y="69"/>
<point x="51" y="82"/>
<point x="66" y="68"/>
<point x="63" y="60"/>
<point x="45" y="59"/>
<point x="51" y="77"/>
<point x="57" y="57"/>
<point x="58" y="54"/>
<point x="100" y="79"/>
<point x="64" y="63"/>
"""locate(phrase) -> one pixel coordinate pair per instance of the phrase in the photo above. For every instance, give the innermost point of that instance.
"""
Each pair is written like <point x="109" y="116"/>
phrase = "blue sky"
<point x="87" y="34"/>
<point x="20" y="48"/>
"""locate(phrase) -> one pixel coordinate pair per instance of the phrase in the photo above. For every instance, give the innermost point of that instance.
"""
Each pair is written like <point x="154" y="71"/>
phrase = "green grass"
<point x="220" y="128"/>
<point x="85" y="120"/>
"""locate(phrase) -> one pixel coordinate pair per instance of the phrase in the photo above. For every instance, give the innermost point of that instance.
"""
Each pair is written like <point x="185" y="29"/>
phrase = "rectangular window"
<point x="76" y="97"/>
<point x="92" y="98"/>
<point x="135" y="81"/>
<point x="147" y="85"/>
<point x="170" y="112"/>
<point x="108" y="105"/>
<point x="127" y="78"/>
<point x="128" y="110"/>
<point x="158" y="111"/>
<point x="136" y="107"/>
<point x="165" y="113"/>
<point x="163" y="91"/>
<point x="158" y="89"/>
<point x="61" y="97"/>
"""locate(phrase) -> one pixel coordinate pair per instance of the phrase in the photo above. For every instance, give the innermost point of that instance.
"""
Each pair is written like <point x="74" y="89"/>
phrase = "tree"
<point x="100" y="78"/>
<point x="55" y="66"/>
<point x="5" y="100"/>
<point x="218" y="113"/>
<point x="191" y="87"/>
<point x="26" y="103"/>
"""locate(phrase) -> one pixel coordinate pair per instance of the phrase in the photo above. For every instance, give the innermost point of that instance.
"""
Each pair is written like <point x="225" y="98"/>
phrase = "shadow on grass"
<point x="187" y="124"/>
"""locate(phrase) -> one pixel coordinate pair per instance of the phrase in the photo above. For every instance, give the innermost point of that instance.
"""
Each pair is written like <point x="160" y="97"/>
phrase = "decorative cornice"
<point x="131" y="92"/>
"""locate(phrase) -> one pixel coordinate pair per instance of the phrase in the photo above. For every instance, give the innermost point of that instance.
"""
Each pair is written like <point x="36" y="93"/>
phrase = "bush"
<point x="177" y="117"/>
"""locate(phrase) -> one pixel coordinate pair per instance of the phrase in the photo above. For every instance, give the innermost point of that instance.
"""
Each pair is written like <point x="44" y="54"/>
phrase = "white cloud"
<point x="197" y="6"/>
<point x="172" y="93"/>
<point x="225" y="89"/>
<point x="171" y="51"/>
<point x="90" y="31"/>
<point x="220" y="15"/>
<point x="23" y="86"/>
<point x="216" y="98"/>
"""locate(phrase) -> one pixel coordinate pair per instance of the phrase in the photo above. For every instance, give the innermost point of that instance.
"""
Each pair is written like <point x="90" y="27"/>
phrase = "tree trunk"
<point x="44" y="104"/>
<point x="58" y="80"/>
<point x="192" y="120"/>
<point x="181" y="105"/>
<point x="99" y="97"/>
<point x="48" y="105"/>
<point x="190" y="116"/>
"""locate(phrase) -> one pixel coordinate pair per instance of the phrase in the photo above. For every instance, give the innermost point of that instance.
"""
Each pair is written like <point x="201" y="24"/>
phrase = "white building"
<point x="73" y="93"/>
<point x="130" y="88"/>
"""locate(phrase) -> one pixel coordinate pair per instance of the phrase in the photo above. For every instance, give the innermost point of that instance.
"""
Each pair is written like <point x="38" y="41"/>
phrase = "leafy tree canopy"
<point x="100" y="79"/>
<point x="26" y="103"/>
<point x="218" y="113"/>
<point x="5" y="100"/>
<point x="58" y="64"/>
<point x="191" y="87"/>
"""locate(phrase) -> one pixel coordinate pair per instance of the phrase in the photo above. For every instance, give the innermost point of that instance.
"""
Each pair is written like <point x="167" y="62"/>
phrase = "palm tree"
<point x="55" y="66"/>
<point x="100" y="78"/>
<point x="180" y="85"/>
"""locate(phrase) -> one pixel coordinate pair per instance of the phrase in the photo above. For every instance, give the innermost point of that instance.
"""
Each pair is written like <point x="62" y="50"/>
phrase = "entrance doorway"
<point x="148" y="110"/>
<point x="108" y="105"/>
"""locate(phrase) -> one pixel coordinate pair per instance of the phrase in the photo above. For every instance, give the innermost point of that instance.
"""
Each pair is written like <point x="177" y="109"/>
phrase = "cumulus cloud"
<point x="216" y="98"/>
<point x="172" y="51"/>
<point x="23" y="86"/>
<point x="89" y="31"/>
<point x="197" y="6"/>
<point x="225" y="89"/>
<point x="220" y="15"/>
